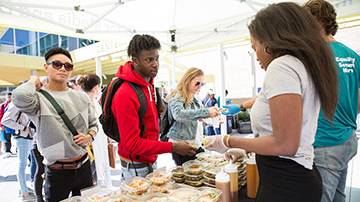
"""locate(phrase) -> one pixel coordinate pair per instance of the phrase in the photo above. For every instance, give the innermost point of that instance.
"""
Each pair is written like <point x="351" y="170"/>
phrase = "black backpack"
<point x="166" y="121"/>
<point x="107" y="118"/>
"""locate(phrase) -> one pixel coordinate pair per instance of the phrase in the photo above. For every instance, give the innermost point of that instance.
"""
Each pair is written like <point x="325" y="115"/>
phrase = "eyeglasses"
<point x="58" y="65"/>
<point x="201" y="84"/>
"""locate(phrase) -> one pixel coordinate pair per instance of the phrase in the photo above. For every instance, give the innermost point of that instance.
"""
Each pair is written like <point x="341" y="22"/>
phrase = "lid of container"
<point x="222" y="177"/>
<point x="251" y="159"/>
<point x="230" y="168"/>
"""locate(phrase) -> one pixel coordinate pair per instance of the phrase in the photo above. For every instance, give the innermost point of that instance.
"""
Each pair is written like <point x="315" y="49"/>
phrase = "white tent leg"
<point x="253" y="72"/>
<point x="98" y="69"/>
<point x="221" y="86"/>
<point x="173" y="76"/>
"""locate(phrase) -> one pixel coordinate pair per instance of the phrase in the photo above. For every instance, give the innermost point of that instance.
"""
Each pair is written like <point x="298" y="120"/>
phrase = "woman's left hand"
<point x="215" y="143"/>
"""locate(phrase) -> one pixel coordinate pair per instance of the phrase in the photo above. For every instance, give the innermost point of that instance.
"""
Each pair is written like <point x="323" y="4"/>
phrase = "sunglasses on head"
<point x="199" y="84"/>
<point x="58" y="65"/>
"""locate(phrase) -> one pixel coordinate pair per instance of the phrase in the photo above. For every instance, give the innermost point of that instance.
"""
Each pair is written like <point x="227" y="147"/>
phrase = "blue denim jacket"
<point x="185" y="125"/>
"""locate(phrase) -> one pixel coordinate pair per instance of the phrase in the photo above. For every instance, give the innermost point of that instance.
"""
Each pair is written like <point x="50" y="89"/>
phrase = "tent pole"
<point x="253" y="72"/>
<point x="98" y="68"/>
<point x="173" y="77"/>
<point x="221" y="85"/>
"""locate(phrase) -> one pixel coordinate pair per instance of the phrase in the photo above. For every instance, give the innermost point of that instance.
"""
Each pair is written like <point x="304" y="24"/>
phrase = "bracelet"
<point x="226" y="140"/>
<point x="92" y="137"/>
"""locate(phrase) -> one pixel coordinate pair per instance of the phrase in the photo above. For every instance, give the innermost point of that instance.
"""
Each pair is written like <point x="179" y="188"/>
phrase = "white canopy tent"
<point x="180" y="25"/>
<point x="194" y="23"/>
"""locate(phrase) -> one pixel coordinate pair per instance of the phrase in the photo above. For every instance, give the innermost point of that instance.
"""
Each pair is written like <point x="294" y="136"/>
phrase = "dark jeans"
<point x="284" y="180"/>
<point x="179" y="159"/>
<point x="38" y="180"/>
<point x="32" y="166"/>
<point x="59" y="183"/>
<point x="7" y="142"/>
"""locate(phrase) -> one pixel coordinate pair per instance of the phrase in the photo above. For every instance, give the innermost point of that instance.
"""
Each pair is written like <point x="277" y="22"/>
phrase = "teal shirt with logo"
<point x="344" y="122"/>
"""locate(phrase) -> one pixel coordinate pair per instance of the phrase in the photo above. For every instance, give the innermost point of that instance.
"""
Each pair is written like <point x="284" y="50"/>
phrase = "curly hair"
<point x="142" y="42"/>
<point x="325" y="14"/>
<point x="288" y="29"/>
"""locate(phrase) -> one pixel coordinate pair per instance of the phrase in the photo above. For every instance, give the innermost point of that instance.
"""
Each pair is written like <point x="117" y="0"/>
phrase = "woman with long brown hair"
<point x="300" y="78"/>
<point x="185" y="110"/>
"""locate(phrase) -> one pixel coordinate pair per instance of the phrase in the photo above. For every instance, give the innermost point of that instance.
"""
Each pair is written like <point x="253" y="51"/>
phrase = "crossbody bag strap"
<point x="60" y="111"/>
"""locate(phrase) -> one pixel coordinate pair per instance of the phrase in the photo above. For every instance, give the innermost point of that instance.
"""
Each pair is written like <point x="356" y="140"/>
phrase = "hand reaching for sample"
<point x="184" y="148"/>
<point x="215" y="143"/>
<point x="213" y="111"/>
<point x="234" y="154"/>
<point x="231" y="109"/>
<point x="82" y="139"/>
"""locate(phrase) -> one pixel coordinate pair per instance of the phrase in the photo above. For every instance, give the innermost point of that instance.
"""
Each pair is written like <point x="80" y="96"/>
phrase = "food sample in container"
<point x="209" y="180"/>
<point x="158" y="198"/>
<point x="185" y="194"/>
<point x="192" y="144"/>
<point x="178" y="172"/>
<point x="158" y="178"/>
<point x="136" y="185"/>
<point x="207" y="142"/>
<point x="178" y="179"/>
<point x="76" y="199"/>
<point x="193" y="177"/>
<point x="208" y="184"/>
<point x="209" y="194"/>
<point x="165" y="189"/>
<point x="193" y="167"/>
<point x="212" y="171"/>
<point x="210" y="156"/>
<point x="119" y="198"/>
<point x="197" y="183"/>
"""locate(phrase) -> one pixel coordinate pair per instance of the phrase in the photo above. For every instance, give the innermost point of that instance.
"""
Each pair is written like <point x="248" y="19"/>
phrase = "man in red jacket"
<point x="138" y="154"/>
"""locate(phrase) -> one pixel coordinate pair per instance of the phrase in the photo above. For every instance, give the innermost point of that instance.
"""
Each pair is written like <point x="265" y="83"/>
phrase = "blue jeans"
<point x="127" y="173"/>
<point x="23" y="147"/>
<point x="332" y="163"/>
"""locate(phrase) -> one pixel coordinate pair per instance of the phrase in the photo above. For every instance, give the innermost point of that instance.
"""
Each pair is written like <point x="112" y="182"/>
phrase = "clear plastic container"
<point x="209" y="180"/>
<point x="193" y="167"/>
<point x="208" y="184"/>
<point x="157" y="198"/>
<point x="209" y="194"/>
<point x="185" y="194"/>
<point x="178" y="172"/>
<point x="193" y="177"/>
<point x="212" y="171"/>
<point x="158" y="178"/>
<point x="136" y="186"/>
<point x="178" y="179"/>
<point x="76" y="199"/>
<point x="197" y="183"/>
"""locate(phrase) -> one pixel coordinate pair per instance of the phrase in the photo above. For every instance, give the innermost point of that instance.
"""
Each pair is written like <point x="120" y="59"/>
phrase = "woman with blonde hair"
<point x="185" y="110"/>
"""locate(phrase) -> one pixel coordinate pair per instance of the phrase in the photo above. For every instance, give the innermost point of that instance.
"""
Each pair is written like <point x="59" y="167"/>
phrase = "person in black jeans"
<point x="40" y="168"/>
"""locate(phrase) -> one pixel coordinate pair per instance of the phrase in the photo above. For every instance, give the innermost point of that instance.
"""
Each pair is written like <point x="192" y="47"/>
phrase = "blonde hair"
<point x="182" y="87"/>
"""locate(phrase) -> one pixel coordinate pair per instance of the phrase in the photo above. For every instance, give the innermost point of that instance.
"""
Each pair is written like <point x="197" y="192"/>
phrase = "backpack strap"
<point x="60" y="111"/>
<point x="143" y="105"/>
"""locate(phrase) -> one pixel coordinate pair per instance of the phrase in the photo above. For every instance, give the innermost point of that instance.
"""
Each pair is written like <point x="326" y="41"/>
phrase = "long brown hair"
<point x="287" y="28"/>
<point x="182" y="87"/>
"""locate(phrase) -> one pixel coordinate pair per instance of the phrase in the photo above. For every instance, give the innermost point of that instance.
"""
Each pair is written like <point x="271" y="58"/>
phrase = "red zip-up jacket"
<point x="125" y="108"/>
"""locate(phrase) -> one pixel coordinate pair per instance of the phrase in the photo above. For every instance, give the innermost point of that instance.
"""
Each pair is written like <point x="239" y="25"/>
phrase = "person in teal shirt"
<point x="336" y="142"/>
